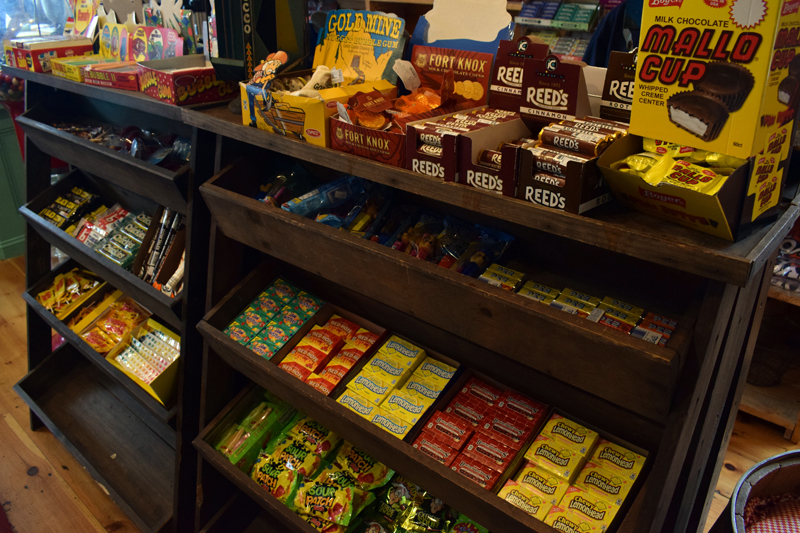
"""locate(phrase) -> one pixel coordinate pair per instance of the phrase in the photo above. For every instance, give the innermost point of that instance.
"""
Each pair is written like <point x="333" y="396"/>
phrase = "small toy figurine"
<point x="473" y="267"/>
<point x="263" y="75"/>
<point x="426" y="246"/>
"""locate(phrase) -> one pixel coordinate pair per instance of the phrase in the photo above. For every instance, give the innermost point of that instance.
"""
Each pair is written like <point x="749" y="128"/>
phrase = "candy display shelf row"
<point x="133" y="444"/>
<point x="618" y="230"/>
<point x="674" y="401"/>
<point x="677" y="401"/>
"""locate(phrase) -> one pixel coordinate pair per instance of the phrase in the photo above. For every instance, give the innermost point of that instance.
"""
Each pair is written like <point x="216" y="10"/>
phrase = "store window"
<point x="29" y="18"/>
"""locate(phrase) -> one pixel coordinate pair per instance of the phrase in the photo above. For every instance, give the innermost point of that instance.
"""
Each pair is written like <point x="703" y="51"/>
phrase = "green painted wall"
<point x="12" y="190"/>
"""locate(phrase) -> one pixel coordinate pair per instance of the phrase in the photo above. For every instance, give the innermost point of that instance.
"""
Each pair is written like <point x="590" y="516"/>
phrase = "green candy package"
<point x="295" y="455"/>
<point x="395" y="500"/>
<point x="426" y="516"/>
<point x="464" y="524"/>
<point x="276" y="478"/>
<point x="369" y="473"/>
<point x="318" y="438"/>
<point x="327" y="501"/>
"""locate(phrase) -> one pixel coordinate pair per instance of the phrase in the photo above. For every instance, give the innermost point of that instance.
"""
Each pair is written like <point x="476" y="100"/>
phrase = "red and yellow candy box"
<point x="183" y="80"/>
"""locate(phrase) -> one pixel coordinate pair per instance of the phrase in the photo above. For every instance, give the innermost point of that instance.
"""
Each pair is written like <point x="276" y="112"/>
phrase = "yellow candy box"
<point x="406" y="405"/>
<point x="520" y="497"/>
<point x="603" y="483"/>
<point x="570" y="433"/>
<point x="615" y="458"/>
<point x="391" y="423"/>
<point x="372" y="386"/>
<point x="358" y="404"/>
<point x="556" y="457"/>
<point x="589" y="507"/>
<point x="546" y="484"/>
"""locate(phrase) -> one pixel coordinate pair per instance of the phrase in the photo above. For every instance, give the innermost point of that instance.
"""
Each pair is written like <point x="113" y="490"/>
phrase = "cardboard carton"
<point x="728" y="214"/>
<point x="118" y="75"/>
<point x="183" y="80"/>
<point x="713" y="75"/>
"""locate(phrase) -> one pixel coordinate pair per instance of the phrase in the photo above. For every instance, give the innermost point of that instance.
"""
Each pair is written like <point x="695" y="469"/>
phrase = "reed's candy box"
<point x="718" y="76"/>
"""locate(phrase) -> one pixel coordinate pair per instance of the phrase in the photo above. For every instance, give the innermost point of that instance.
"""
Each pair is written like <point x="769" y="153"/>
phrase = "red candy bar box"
<point x="183" y="80"/>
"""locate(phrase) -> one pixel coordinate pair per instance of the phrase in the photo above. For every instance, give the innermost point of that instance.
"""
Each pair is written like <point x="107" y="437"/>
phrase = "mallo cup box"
<point x="720" y="76"/>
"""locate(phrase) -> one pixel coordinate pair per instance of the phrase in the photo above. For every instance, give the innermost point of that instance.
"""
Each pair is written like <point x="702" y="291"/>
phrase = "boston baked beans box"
<point x="718" y="75"/>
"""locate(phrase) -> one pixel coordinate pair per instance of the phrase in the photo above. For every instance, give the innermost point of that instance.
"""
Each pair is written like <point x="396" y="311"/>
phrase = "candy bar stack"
<point x="431" y="134"/>
<point x="273" y="318"/>
<point x="609" y="312"/>
<point x="327" y="353"/>
<point x="397" y="386"/>
<point x="573" y="479"/>
<point x="481" y="431"/>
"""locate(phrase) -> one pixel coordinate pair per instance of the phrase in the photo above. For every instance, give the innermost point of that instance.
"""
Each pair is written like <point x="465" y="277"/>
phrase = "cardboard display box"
<point x="37" y="53"/>
<point x="303" y="118"/>
<point x="183" y="80"/>
<point x="72" y="68"/>
<point x="553" y="90"/>
<point x="117" y="75"/>
<point x="717" y="78"/>
<point x="473" y="174"/>
<point x="581" y="189"/>
<point x="505" y="91"/>
<point x="729" y="214"/>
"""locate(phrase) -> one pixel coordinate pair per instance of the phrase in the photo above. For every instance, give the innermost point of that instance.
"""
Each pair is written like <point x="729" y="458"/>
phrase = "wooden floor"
<point x="42" y="488"/>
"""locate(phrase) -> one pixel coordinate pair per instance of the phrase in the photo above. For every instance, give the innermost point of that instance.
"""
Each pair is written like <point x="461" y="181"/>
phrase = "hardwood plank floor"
<point x="59" y="495"/>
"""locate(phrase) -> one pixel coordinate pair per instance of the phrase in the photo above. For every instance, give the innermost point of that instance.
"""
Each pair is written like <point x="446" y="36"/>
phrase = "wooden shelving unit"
<point x="137" y="448"/>
<point x="678" y="402"/>
<point x="675" y="401"/>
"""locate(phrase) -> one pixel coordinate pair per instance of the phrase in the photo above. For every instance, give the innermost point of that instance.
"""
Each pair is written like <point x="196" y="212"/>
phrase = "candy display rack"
<point x="678" y="402"/>
<point x="132" y="445"/>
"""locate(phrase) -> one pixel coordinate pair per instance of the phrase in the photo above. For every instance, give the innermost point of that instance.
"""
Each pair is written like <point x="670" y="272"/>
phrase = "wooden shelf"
<point x="779" y="404"/>
<point x="160" y="185"/>
<point x="489" y="511"/>
<point x="132" y="99"/>
<point x="532" y="332"/>
<point x="611" y="227"/>
<point x="158" y="303"/>
<point x="82" y="408"/>
<point x="783" y="295"/>
<point x="163" y="413"/>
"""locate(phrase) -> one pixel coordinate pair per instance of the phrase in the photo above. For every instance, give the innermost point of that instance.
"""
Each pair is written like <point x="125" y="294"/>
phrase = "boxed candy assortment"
<point x="72" y="68"/>
<point x="37" y="53"/>
<point x="69" y="291"/>
<point x="343" y="66"/>
<point x="327" y="353"/>
<point x="574" y="479"/>
<point x="443" y="80"/>
<point x="154" y="252"/>
<point x="607" y="311"/>
<point x="396" y="386"/>
<point x="111" y="322"/>
<point x="560" y="171"/>
<point x="148" y="356"/>
<point x="691" y="186"/>
<point x="481" y="431"/>
<point x="183" y="80"/>
<point x="273" y="317"/>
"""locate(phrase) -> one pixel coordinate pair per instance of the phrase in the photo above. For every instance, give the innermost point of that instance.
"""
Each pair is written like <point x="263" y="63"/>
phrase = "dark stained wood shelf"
<point x="82" y="408"/>
<point x="486" y="508"/>
<point x="160" y="304"/>
<point x="783" y="295"/>
<point x="645" y="373"/>
<point x="139" y="395"/>
<point x="612" y="227"/>
<point x="132" y="99"/>
<point x="160" y="185"/>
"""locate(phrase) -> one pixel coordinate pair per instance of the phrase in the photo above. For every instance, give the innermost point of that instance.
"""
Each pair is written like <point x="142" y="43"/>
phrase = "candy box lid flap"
<point x="174" y="65"/>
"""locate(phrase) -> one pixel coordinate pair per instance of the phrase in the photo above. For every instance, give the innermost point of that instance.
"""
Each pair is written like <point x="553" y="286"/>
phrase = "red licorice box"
<point x="450" y="429"/>
<point x="435" y="448"/>
<point x="475" y="471"/>
<point x="490" y="452"/>
<point x="184" y="80"/>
